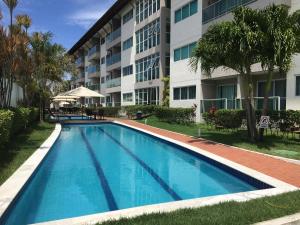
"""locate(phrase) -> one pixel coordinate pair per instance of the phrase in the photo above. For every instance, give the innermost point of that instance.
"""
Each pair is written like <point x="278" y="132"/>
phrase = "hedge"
<point x="175" y="115"/>
<point x="14" y="121"/>
<point x="110" y="111"/>
<point x="145" y="109"/>
<point x="6" y="121"/>
<point x="285" y="119"/>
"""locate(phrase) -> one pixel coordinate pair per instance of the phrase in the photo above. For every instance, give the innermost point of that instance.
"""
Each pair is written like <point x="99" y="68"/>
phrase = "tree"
<point x="232" y="45"/>
<point x="11" y="5"/>
<point x="280" y="32"/>
<point x="50" y="62"/>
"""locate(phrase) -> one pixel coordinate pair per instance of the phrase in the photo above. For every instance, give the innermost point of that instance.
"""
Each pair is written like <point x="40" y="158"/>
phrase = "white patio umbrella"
<point x="83" y="92"/>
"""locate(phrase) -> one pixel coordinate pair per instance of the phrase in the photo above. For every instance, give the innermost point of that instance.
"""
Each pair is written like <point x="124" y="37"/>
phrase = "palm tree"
<point x="279" y="43"/>
<point x="11" y="5"/>
<point x="232" y="45"/>
<point x="24" y="21"/>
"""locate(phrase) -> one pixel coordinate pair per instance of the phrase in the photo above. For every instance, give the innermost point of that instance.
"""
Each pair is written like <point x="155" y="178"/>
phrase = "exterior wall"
<point x="128" y="57"/>
<point x="184" y="32"/>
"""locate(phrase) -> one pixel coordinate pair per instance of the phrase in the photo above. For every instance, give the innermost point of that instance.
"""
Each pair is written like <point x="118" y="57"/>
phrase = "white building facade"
<point x="137" y="43"/>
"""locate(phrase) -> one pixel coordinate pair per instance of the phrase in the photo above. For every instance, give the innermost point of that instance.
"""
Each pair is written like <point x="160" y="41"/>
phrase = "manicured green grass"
<point x="272" y="144"/>
<point x="21" y="147"/>
<point x="229" y="213"/>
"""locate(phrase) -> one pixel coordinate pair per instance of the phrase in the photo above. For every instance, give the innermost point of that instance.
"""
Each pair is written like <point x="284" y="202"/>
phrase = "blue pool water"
<point x="99" y="168"/>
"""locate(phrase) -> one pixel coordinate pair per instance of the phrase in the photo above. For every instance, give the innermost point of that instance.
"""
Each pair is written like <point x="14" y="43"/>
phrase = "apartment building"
<point x="222" y="88"/>
<point x="136" y="43"/>
<point x="125" y="55"/>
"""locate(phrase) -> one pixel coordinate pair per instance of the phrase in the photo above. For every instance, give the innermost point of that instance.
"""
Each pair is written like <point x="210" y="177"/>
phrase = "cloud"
<point x="85" y="18"/>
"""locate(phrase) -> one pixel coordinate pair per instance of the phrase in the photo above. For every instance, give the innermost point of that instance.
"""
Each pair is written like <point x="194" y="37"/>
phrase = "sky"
<point x="68" y="20"/>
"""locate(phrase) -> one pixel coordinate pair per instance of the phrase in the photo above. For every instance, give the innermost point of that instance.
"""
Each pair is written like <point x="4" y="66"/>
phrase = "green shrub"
<point x="34" y="115"/>
<point x="111" y="111"/>
<point x="229" y="118"/>
<point x="21" y="119"/>
<point x="175" y="115"/>
<point x="6" y="121"/>
<point x="145" y="109"/>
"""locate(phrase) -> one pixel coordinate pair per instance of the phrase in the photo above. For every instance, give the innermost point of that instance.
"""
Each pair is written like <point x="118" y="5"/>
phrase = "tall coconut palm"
<point x="232" y="45"/>
<point x="11" y="5"/>
<point x="280" y="41"/>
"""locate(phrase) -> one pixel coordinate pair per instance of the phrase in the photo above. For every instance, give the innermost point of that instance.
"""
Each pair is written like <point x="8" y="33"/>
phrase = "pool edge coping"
<point x="279" y="188"/>
<point x="10" y="189"/>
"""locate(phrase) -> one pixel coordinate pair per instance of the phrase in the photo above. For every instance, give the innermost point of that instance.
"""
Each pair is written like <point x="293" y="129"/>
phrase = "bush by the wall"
<point x="145" y="109"/>
<point x="111" y="111"/>
<point x="34" y="115"/>
<point x="175" y="115"/>
<point x="6" y="121"/>
<point x="21" y="119"/>
<point x="230" y="119"/>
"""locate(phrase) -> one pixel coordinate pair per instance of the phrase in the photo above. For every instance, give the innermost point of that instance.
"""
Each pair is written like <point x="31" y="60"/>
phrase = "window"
<point x="298" y="85"/>
<point x="102" y="41"/>
<point x="102" y="60"/>
<point x="184" y="93"/>
<point x="145" y="8"/>
<point x="186" y="11"/>
<point x="148" y="36"/>
<point x="147" y="68"/>
<point x="102" y="80"/>
<point x="184" y="52"/>
<point x="128" y="70"/>
<point x="127" y="97"/>
<point x="127" y="44"/>
<point x="128" y="16"/>
<point x="147" y="96"/>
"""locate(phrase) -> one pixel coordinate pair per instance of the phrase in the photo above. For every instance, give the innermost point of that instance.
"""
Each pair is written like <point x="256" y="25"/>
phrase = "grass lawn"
<point x="229" y="213"/>
<point x="274" y="145"/>
<point x="21" y="148"/>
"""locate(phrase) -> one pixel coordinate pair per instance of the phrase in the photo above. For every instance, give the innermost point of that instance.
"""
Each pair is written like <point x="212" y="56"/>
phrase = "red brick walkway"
<point x="277" y="168"/>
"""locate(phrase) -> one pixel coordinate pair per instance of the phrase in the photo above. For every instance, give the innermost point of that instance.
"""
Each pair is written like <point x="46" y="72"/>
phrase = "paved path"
<point x="277" y="168"/>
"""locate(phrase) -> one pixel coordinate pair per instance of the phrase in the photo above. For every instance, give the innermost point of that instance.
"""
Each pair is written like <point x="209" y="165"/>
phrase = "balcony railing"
<point x="93" y="69"/>
<point x="93" y="50"/>
<point x="113" y="35"/>
<point x="274" y="103"/>
<point x="110" y="60"/>
<point x="221" y="7"/>
<point x="94" y="87"/>
<point x="113" y="83"/>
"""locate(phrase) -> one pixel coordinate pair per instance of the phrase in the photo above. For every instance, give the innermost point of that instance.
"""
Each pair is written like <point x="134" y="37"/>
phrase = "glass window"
<point x="176" y="93"/>
<point x="177" y="55"/>
<point x="127" y="97"/>
<point x="184" y="93"/>
<point x="185" y="11"/>
<point x="185" y="52"/>
<point x="297" y="85"/>
<point x="178" y="16"/>
<point x="192" y="92"/>
<point x="193" y="7"/>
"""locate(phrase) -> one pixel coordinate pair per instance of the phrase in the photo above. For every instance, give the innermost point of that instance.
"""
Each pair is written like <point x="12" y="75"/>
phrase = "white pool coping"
<point x="13" y="185"/>
<point x="10" y="189"/>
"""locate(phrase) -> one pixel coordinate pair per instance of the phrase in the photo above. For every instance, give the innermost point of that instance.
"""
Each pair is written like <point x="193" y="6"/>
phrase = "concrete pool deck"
<point x="281" y="169"/>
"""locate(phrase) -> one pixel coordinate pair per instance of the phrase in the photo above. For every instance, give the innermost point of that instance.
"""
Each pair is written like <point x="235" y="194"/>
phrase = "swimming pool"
<point x="106" y="167"/>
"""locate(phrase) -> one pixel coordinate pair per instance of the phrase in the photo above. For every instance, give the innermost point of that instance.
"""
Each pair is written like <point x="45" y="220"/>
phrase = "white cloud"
<point x="85" y="18"/>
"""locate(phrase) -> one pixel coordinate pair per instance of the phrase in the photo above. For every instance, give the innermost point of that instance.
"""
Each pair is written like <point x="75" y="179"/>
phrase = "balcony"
<point x="79" y="62"/>
<point x="94" y="53"/>
<point x="113" y="35"/>
<point x="112" y="59"/>
<point x="222" y="7"/>
<point x="94" y="87"/>
<point x="94" y="71"/>
<point x="116" y="82"/>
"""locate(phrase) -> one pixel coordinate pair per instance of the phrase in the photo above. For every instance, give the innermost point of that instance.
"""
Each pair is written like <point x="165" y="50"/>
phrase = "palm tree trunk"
<point x="266" y="98"/>
<point x="247" y="90"/>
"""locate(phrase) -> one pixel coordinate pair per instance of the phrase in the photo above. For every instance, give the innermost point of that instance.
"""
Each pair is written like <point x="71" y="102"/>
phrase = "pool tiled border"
<point x="279" y="188"/>
<point x="12" y="187"/>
